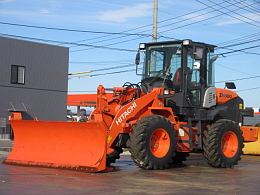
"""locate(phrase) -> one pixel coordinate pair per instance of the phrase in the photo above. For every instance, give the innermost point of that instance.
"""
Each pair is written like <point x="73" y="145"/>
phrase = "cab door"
<point x="195" y="74"/>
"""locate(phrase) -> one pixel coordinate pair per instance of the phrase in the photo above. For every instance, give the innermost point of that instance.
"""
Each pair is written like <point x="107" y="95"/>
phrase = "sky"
<point x="104" y="36"/>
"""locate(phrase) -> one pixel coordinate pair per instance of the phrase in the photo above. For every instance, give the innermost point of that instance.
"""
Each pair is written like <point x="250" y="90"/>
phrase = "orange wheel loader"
<point x="174" y="110"/>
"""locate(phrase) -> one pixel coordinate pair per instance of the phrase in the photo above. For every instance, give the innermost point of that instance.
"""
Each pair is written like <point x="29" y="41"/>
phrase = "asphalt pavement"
<point x="194" y="176"/>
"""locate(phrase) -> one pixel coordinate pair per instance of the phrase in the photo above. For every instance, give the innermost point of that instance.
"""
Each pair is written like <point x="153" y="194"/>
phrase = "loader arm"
<point x="128" y="114"/>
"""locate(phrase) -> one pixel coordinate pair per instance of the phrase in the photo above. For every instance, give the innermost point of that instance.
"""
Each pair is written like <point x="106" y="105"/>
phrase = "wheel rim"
<point x="160" y="143"/>
<point x="229" y="144"/>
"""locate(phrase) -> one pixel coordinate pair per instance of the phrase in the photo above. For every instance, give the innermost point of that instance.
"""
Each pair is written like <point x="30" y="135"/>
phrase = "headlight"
<point x="187" y="42"/>
<point x="142" y="46"/>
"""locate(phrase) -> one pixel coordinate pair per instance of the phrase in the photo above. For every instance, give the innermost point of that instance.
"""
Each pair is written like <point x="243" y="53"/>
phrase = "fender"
<point x="225" y="95"/>
<point x="165" y="111"/>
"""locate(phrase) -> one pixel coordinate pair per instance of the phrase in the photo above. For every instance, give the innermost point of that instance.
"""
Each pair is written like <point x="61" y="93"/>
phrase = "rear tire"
<point x="153" y="142"/>
<point x="223" y="144"/>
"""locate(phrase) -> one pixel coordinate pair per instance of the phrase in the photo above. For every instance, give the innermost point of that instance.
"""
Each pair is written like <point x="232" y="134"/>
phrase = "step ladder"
<point x="194" y="127"/>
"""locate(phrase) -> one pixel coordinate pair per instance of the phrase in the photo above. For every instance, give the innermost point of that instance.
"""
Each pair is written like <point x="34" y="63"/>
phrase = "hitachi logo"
<point x="127" y="112"/>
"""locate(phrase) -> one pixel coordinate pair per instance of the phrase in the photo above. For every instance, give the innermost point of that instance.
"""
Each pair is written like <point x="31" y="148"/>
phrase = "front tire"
<point x="153" y="142"/>
<point x="223" y="144"/>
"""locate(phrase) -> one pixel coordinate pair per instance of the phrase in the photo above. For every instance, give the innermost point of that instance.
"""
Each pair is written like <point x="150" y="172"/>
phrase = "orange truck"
<point x="174" y="110"/>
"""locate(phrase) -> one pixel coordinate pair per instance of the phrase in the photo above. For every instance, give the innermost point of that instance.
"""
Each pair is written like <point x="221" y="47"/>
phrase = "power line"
<point x="144" y="27"/>
<point x="229" y="11"/>
<point x="102" y="63"/>
<point x="240" y="41"/>
<point x="193" y="18"/>
<point x="102" y="69"/>
<point x="115" y="67"/>
<point x="104" y="74"/>
<point x="241" y="50"/>
<point x="84" y="31"/>
<point x="109" y="45"/>
<point x="68" y="43"/>
<point x="130" y="70"/>
<point x="254" y="35"/>
<point x="79" y="72"/>
<point x="150" y="25"/>
<point x="110" y="34"/>
<point x="233" y="69"/>
<point x="237" y="44"/>
<point x="240" y="79"/>
<point x="248" y="89"/>
<point x="105" y="46"/>
<point x="252" y="8"/>
<point x="74" y="30"/>
<point x="161" y="27"/>
<point x="237" y="13"/>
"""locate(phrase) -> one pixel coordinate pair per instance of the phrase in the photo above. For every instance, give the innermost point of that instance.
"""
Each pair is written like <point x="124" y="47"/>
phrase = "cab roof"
<point x="178" y="42"/>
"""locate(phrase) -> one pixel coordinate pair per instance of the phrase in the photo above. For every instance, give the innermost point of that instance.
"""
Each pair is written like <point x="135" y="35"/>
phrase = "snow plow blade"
<point x="65" y="145"/>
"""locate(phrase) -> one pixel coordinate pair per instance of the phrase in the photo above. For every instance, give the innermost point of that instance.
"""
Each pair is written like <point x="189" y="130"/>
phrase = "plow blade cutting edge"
<point x="65" y="145"/>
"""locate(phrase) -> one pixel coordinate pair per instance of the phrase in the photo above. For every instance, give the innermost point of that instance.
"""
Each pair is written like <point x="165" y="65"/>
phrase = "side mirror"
<point x="137" y="62"/>
<point x="230" y="85"/>
<point x="137" y="58"/>
<point x="198" y="53"/>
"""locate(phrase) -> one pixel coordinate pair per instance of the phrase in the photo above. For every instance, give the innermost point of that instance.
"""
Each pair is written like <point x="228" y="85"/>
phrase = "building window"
<point x="17" y="74"/>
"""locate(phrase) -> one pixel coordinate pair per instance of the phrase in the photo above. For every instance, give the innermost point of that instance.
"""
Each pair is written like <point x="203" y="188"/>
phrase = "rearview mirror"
<point x="198" y="53"/>
<point x="230" y="85"/>
<point x="137" y="58"/>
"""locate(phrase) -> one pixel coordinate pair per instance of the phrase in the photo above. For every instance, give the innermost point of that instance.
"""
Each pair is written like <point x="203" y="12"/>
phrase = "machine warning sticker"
<point x="181" y="132"/>
<point x="109" y="139"/>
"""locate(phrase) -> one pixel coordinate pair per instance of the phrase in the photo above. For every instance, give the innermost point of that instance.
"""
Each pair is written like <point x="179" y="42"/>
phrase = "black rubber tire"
<point x="140" y="142"/>
<point x="113" y="156"/>
<point x="180" y="157"/>
<point x="212" y="144"/>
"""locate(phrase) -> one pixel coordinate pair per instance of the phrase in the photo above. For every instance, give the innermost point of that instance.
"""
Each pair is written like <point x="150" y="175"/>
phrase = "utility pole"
<point x="155" y="18"/>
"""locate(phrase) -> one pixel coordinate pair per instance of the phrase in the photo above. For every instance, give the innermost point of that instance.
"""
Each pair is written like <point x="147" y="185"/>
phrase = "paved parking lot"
<point x="193" y="177"/>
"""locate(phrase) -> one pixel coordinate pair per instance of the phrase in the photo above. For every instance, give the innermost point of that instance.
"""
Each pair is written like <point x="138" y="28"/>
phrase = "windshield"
<point x="162" y="61"/>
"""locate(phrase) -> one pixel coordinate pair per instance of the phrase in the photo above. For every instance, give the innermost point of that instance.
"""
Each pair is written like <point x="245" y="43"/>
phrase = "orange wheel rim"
<point x="160" y="143"/>
<point x="229" y="144"/>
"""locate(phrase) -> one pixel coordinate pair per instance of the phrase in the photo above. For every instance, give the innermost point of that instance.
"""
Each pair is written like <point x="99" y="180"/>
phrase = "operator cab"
<point x="185" y="67"/>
